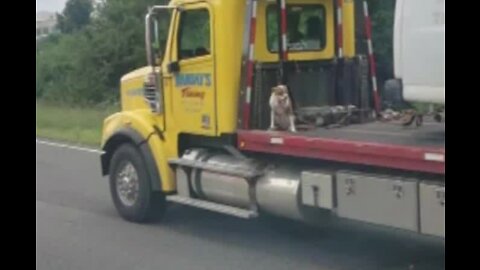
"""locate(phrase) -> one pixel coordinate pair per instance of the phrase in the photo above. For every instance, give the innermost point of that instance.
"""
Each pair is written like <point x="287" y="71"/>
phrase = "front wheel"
<point x="130" y="187"/>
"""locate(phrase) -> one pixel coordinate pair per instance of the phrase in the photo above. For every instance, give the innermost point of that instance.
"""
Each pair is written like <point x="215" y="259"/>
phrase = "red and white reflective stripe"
<point x="250" y="66"/>
<point x="371" y="57"/>
<point x="283" y="20"/>
<point x="434" y="157"/>
<point x="340" y="28"/>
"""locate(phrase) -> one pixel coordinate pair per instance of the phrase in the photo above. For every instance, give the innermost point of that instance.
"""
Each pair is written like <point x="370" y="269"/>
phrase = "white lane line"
<point x="90" y="150"/>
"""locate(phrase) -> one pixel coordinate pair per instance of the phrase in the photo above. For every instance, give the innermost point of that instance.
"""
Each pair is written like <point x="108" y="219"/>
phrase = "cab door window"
<point x="194" y="34"/>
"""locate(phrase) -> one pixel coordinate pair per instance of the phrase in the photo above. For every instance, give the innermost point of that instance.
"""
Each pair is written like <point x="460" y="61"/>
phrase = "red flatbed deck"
<point x="380" y="144"/>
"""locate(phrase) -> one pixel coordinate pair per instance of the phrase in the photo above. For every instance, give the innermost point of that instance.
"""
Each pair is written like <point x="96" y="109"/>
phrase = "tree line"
<point x="98" y="43"/>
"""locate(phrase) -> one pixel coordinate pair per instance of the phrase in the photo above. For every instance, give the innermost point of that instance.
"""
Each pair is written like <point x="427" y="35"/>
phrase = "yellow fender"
<point x="139" y="128"/>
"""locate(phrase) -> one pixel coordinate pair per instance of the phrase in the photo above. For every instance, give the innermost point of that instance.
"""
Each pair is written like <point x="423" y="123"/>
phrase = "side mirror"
<point x="154" y="45"/>
<point x="156" y="33"/>
<point x="173" y="67"/>
<point x="158" y="54"/>
<point x="149" y="45"/>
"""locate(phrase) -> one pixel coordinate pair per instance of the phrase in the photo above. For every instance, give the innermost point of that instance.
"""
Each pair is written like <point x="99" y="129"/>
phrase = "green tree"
<point x="83" y="64"/>
<point x="75" y="15"/>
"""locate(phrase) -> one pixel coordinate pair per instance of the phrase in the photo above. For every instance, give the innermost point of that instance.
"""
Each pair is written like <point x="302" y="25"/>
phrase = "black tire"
<point x="149" y="205"/>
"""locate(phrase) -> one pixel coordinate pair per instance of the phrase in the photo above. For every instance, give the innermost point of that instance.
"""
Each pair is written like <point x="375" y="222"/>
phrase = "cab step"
<point x="215" y="207"/>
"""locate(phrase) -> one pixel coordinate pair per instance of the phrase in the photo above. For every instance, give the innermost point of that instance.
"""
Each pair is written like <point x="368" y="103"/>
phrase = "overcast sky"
<point x="50" y="5"/>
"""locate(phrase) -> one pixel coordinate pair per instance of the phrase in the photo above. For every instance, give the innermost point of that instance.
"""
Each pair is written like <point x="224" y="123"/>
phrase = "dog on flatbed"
<point x="281" y="112"/>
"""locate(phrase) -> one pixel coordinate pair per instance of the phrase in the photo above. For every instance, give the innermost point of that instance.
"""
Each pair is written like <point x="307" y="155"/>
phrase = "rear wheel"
<point x="130" y="187"/>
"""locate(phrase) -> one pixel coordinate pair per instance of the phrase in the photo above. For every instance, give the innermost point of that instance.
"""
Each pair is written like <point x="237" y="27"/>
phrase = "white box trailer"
<point x="419" y="49"/>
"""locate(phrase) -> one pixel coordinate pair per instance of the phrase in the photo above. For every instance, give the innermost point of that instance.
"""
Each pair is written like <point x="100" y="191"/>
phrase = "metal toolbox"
<point x="432" y="209"/>
<point x="378" y="199"/>
<point x="317" y="189"/>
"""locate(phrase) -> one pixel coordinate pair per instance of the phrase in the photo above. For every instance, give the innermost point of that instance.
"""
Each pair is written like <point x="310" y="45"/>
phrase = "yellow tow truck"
<point x="194" y="123"/>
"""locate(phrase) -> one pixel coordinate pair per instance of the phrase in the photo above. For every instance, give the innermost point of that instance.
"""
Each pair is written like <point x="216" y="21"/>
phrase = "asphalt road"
<point x="78" y="228"/>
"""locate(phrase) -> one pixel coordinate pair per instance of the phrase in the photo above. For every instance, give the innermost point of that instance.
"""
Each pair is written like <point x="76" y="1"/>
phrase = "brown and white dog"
<point x="281" y="112"/>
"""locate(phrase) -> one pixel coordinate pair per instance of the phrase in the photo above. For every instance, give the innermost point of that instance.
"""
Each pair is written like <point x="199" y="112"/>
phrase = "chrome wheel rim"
<point x="127" y="184"/>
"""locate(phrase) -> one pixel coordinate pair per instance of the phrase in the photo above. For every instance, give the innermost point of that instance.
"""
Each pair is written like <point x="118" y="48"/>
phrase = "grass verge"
<point x="73" y="125"/>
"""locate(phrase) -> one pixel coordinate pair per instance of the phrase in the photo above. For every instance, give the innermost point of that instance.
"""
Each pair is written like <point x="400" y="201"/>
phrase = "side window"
<point x="194" y="34"/>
